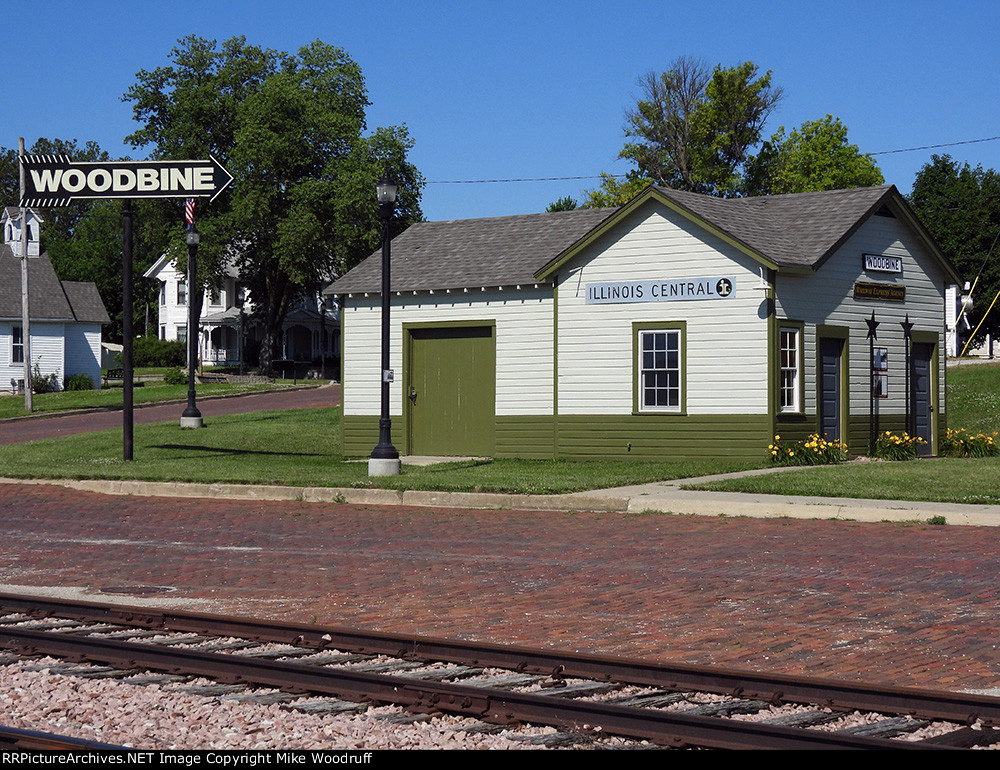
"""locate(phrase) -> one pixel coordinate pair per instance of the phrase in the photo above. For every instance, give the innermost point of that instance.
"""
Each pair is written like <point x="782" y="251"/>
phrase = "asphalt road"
<point x="16" y="431"/>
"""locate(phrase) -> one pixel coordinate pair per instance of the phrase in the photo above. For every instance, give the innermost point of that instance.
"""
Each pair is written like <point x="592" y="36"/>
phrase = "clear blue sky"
<point x="501" y="90"/>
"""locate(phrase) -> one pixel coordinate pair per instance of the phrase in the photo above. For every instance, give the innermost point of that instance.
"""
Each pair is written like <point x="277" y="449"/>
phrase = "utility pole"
<point x="25" y="314"/>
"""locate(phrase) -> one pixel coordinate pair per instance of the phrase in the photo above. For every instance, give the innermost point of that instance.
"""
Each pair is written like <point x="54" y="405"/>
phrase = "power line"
<point x="935" y="146"/>
<point x="623" y="176"/>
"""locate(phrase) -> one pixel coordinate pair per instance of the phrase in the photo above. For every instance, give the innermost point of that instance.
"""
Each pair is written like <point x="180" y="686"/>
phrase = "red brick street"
<point x="906" y="604"/>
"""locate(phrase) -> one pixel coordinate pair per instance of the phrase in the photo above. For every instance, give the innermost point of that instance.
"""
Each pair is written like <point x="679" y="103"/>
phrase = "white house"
<point x="676" y="325"/>
<point x="310" y="333"/>
<point x="66" y="316"/>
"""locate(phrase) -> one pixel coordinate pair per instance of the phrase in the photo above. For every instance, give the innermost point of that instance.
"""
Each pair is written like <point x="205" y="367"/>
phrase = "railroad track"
<point x="671" y="705"/>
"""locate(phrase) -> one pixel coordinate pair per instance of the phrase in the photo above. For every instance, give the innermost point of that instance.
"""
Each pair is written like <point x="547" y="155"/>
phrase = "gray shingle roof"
<point x="500" y="251"/>
<point x="793" y="231"/>
<point x="86" y="302"/>
<point x="48" y="298"/>
<point x="796" y="230"/>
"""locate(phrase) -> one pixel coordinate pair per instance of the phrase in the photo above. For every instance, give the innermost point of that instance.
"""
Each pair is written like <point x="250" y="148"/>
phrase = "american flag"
<point x="189" y="212"/>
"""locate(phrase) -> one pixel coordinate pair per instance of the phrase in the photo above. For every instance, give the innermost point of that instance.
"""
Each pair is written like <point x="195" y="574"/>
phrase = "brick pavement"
<point x="905" y="604"/>
<point x="44" y="426"/>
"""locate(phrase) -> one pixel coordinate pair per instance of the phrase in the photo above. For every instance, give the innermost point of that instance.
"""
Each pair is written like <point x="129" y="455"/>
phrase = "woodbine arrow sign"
<point x="55" y="180"/>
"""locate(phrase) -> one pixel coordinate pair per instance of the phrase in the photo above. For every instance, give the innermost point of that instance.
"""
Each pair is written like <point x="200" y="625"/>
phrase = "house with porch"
<point x="229" y="334"/>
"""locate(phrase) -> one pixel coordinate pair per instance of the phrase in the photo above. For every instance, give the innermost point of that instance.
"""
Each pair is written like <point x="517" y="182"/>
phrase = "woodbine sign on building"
<point x="55" y="180"/>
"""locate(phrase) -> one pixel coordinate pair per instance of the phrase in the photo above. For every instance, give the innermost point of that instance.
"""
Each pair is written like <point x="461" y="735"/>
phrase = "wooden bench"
<point x="112" y="374"/>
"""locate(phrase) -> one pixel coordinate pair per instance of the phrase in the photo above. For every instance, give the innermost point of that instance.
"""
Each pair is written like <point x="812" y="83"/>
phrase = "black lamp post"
<point x="384" y="459"/>
<point x="191" y="417"/>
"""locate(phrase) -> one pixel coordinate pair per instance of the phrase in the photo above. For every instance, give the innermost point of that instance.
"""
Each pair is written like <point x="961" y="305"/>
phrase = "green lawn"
<point x="973" y="404"/>
<point x="302" y="448"/>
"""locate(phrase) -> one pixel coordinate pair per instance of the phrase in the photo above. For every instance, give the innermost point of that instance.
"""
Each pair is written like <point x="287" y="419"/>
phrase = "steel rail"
<point x="664" y="727"/>
<point x="12" y="738"/>
<point x="773" y="688"/>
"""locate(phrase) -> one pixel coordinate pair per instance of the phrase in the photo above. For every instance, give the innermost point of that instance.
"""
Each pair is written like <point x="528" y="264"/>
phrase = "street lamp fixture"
<point x="384" y="459"/>
<point x="191" y="417"/>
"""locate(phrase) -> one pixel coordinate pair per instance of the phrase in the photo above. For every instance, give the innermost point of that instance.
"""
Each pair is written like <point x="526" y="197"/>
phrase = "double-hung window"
<point x="17" y="345"/>
<point x="790" y="369"/>
<point x="182" y="293"/>
<point x="660" y="374"/>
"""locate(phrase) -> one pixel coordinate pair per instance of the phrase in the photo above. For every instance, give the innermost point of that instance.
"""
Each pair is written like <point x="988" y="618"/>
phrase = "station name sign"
<point x="880" y="263"/>
<point x="617" y="292"/>
<point x="55" y="180"/>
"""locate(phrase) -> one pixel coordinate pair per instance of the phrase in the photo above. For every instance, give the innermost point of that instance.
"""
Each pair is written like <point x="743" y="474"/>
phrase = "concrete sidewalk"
<point x="661" y="496"/>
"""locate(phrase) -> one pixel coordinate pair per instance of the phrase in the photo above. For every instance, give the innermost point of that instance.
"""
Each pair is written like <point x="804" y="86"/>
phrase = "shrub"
<point x="889" y="446"/>
<point x="78" y="382"/>
<point x="959" y="443"/>
<point x="175" y="376"/>
<point x="149" y="351"/>
<point x="47" y="383"/>
<point x="813" y="451"/>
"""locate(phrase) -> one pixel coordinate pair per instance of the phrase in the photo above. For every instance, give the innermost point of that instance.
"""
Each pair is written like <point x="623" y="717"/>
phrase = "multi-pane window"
<point x="17" y="345"/>
<point x="790" y="369"/>
<point x="660" y="370"/>
<point x="182" y="293"/>
<point x="163" y="292"/>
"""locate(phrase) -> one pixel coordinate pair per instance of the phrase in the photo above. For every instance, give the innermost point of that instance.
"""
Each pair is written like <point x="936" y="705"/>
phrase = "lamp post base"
<point x="384" y="466"/>
<point x="192" y="422"/>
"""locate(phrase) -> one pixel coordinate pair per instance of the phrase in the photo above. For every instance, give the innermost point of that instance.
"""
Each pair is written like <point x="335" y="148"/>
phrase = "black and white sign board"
<point x="55" y="180"/>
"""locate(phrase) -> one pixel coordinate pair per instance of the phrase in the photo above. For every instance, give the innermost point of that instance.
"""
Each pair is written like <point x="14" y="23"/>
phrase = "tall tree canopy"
<point x="960" y="206"/>
<point x="291" y="129"/>
<point x="694" y="129"/>
<point x="815" y="156"/>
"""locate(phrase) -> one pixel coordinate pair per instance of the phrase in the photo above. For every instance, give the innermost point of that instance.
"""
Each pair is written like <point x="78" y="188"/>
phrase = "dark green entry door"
<point x="452" y="390"/>
<point x="923" y="402"/>
<point x="830" y="353"/>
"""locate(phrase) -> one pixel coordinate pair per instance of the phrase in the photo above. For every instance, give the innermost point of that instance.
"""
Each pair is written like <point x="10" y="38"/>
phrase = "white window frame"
<point x="660" y="364"/>
<point x="789" y="369"/>
<point x="17" y="344"/>
<point x="182" y="292"/>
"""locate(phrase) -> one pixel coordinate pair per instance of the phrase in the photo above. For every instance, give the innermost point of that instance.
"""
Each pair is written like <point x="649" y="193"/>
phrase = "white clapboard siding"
<point x="827" y="298"/>
<point x="524" y="352"/>
<point x="83" y="351"/>
<point x="726" y="357"/>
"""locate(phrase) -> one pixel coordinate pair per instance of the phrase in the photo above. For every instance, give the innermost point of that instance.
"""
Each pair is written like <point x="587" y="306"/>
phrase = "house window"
<point x="182" y="333"/>
<point x="659" y="366"/>
<point x="790" y="364"/>
<point x="17" y="345"/>
<point x="215" y="296"/>
<point x="182" y="293"/>
<point x="163" y="292"/>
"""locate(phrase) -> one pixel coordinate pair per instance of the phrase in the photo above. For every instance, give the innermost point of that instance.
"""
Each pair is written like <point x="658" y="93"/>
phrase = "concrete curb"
<point x="664" y="498"/>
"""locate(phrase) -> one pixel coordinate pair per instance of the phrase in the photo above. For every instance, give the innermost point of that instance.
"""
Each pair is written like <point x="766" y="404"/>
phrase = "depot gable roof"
<point x="795" y="233"/>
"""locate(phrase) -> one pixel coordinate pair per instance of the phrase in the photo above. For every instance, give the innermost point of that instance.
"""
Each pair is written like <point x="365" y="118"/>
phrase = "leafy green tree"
<point x="565" y="203"/>
<point x="614" y="192"/>
<point x="960" y="206"/>
<point x="815" y="156"/>
<point x="692" y="130"/>
<point x="291" y="129"/>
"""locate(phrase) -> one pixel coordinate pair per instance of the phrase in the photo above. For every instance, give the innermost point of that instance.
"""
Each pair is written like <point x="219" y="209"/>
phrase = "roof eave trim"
<point x="624" y="211"/>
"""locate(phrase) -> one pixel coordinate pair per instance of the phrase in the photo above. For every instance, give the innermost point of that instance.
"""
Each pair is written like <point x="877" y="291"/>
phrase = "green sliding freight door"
<point x="452" y="390"/>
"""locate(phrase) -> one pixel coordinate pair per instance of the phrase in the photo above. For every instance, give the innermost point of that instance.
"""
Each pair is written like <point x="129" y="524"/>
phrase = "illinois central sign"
<point x="55" y="180"/>
<point x="617" y="292"/>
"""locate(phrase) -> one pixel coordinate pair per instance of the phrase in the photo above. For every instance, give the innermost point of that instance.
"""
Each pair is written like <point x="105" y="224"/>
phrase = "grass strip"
<point x="302" y="448"/>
